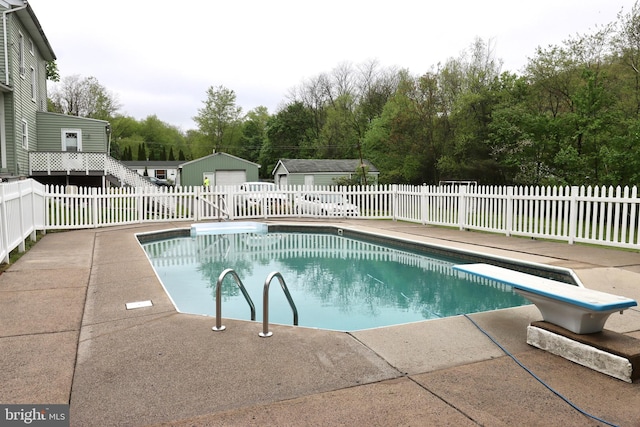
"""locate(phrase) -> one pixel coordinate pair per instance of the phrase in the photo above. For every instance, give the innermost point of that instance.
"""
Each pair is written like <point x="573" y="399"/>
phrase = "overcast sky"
<point x="159" y="57"/>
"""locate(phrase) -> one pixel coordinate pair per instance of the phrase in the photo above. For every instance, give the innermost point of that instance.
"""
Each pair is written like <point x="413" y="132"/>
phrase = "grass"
<point x="15" y="254"/>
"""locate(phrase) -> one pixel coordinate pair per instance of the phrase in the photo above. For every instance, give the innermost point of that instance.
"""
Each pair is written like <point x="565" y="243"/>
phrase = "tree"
<point x="627" y="45"/>
<point x="289" y="134"/>
<point x="83" y="98"/>
<point x="467" y="101"/>
<point x="219" y="119"/>
<point x="254" y="134"/>
<point x="52" y="71"/>
<point x="142" y="153"/>
<point x="401" y="141"/>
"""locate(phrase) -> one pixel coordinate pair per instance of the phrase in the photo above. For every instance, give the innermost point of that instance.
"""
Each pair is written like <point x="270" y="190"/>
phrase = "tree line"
<point x="570" y="117"/>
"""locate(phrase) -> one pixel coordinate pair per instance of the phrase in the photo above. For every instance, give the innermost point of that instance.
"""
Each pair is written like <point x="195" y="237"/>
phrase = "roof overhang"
<point x="33" y="27"/>
<point x="4" y="88"/>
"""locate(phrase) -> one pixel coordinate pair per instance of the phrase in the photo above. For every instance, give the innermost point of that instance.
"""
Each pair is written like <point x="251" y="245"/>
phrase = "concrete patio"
<point x="66" y="337"/>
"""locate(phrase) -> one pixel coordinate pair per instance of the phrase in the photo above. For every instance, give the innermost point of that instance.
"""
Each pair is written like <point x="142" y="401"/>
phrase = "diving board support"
<point x="608" y="352"/>
<point x="577" y="309"/>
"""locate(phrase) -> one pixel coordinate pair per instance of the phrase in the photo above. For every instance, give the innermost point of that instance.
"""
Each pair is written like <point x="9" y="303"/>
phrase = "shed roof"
<point x="218" y="154"/>
<point x="169" y="164"/>
<point x="324" y="165"/>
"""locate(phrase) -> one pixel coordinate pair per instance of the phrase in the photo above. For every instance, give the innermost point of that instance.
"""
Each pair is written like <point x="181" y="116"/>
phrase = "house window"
<point x="71" y="140"/>
<point x="161" y="173"/>
<point x="33" y="84"/>
<point x="25" y="135"/>
<point x="21" y="53"/>
<point x="31" y="47"/>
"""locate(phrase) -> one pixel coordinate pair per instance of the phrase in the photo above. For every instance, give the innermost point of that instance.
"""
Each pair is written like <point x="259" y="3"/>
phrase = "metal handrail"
<point x="219" y="326"/>
<point x="265" y="303"/>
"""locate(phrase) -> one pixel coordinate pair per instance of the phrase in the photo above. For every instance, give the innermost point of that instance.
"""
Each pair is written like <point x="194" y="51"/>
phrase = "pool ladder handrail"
<point x="219" y="327"/>
<point x="265" y="303"/>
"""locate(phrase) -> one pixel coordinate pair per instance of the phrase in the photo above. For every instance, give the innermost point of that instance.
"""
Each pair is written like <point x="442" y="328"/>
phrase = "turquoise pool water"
<point x="337" y="282"/>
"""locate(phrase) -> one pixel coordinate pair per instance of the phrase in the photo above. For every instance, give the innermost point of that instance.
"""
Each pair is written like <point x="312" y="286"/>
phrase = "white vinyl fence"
<point x="599" y="215"/>
<point x="22" y="213"/>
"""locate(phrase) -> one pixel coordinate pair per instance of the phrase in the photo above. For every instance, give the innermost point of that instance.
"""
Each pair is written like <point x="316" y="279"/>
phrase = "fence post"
<point x="573" y="214"/>
<point x="22" y="247"/>
<point x="230" y="201"/>
<point x="4" y="227"/>
<point x="394" y="202"/>
<point x="462" y="206"/>
<point x="32" y="194"/>
<point x="94" y="206"/>
<point x="424" y="208"/>
<point x="509" y="208"/>
<point x="140" y="203"/>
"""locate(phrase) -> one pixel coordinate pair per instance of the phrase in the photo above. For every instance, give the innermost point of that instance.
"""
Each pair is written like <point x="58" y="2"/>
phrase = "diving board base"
<point x="608" y="352"/>
<point x="572" y="317"/>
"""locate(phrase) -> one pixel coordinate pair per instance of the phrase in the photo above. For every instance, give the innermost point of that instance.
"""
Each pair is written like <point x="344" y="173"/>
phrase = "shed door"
<point x="230" y="177"/>
<point x="308" y="180"/>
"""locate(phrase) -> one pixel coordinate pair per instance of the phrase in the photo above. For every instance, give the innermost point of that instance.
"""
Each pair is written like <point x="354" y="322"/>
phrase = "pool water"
<point x="336" y="282"/>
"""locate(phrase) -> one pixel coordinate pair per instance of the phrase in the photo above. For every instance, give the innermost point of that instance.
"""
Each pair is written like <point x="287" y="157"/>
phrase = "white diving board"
<point x="230" y="227"/>
<point x="578" y="309"/>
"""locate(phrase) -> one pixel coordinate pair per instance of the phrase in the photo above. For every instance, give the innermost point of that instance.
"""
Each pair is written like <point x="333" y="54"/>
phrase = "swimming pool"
<point x="339" y="279"/>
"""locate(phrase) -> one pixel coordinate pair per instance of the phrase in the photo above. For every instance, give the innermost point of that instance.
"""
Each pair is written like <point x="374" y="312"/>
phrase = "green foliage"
<point x="219" y="120"/>
<point x="289" y="135"/>
<point x="83" y="97"/>
<point x="570" y="117"/>
<point x="254" y="134"/>
<point x="52" y="71"/>
<point x="158" y="138"/>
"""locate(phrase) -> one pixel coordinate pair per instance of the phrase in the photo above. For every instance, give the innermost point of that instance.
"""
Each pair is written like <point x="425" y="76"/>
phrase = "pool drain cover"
<point x="138" y="304"/>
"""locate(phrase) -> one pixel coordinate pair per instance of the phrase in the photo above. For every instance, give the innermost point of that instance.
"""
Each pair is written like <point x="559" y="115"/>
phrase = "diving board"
<point x="229" y="227"/>
<point x="578" y="309"/>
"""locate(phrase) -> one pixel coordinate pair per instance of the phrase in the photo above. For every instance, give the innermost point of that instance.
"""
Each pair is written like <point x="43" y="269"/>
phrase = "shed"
<point x="220" y="168"/>
<point x="320" y="171"/>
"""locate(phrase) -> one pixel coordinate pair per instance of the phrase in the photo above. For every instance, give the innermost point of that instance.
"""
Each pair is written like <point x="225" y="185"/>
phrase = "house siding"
<point x="50" y="125"/>
<point x="323" y="179"/>
<point x="2" y="51"/>
<point x="19" y="104"/>
<point x="192" y="172"/>
<point x="23" y="105"/>
<point x="9" y="130"/>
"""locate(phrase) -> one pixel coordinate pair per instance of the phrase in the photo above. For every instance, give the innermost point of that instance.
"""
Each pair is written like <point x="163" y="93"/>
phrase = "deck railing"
<point x="598" y="215"/>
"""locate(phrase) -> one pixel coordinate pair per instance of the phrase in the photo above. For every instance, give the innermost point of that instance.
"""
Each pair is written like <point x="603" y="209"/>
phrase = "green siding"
<point x="23" y="107"/>
<point x="50" y="125"/>
<point x="293" y="179"/>
<point x="192" y="172"/>
<point x="2" y="45"/>
<point x="19" y="103"/>
<point x="318" y="178"/>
